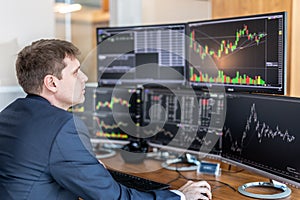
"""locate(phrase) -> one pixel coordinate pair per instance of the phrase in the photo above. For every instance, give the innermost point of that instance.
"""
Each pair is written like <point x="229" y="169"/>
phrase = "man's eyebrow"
<point x="76" y="69"/>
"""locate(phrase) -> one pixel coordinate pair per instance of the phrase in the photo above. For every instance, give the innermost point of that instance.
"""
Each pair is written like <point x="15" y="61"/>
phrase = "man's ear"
<point x="50" y="83"/>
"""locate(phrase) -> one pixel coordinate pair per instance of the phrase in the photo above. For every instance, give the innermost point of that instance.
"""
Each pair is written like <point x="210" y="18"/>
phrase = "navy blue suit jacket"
<point x="45" y="154"/>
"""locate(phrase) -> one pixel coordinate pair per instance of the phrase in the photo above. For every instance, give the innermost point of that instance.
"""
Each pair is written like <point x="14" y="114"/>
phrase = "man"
<point x="45" y="151"/>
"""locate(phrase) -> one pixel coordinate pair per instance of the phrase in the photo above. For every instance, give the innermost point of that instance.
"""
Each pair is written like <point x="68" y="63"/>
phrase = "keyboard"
<point x="136" y="182"/>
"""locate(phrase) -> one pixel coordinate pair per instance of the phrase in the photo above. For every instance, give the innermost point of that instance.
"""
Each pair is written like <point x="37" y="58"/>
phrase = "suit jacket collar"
<point x="37" y="97"/>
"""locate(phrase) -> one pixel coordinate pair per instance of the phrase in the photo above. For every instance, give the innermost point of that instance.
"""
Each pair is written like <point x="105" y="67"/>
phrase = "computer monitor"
<point x="141" y="54"/>
<point x="116" y="114"/>
<point x="261" y="133"/>
<point x="184" y="120"/>
<point x="245" y="54"/>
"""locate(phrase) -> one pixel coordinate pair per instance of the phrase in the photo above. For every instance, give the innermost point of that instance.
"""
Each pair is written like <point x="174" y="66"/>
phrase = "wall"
<point x="125" y="12"/>
<point x="231" y="8"/>
<point x="21" y="22"/>
<point x="295" y="50"/>
<point x="170" y="11"/>
<point x="136" y="12"/>
<point x="8" y="94"/>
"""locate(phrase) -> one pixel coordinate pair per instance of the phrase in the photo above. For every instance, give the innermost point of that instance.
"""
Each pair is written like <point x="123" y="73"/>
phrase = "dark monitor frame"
<point x="243" y="87"/>
<point x="285" y="173"/>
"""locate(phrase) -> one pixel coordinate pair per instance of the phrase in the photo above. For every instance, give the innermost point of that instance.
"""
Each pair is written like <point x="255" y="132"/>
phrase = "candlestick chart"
<point x="247" y="53"/>
<point x="115" y="112"/>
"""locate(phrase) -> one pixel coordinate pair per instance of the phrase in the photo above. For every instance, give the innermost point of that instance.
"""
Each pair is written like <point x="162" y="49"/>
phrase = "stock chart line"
<point x="225" y="46"/>
<point x="110" y="104"/>
<point x="101" y="124"/>
<point x="113" y="135"/>
<point x="261" y="130"/>
<point x="264" y="130"/>
<point x="113" y="132"/>
<point x="203" y="141"/>
<point x="159" y="130"/>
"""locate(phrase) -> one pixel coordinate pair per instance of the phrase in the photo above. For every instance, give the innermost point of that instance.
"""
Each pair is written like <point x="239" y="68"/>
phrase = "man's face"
<point x="71" y="87"/>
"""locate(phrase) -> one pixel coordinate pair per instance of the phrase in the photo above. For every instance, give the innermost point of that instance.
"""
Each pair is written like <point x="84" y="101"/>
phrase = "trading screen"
<point x="184" y="118"/>
<point x="240" y="54"/>
<point x="131" y="55"/>
<point x="263" y="132"/>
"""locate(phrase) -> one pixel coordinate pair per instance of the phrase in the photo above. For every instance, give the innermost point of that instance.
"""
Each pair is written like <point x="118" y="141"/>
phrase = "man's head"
<point x="40" y="58"/>
<point x="49" y="68"/>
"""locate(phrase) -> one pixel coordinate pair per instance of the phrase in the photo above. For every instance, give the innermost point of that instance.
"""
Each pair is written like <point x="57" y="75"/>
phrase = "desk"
<point x="151" y="169"/>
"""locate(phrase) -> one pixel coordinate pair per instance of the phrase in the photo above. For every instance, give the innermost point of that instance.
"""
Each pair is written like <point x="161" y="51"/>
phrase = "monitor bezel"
<point x="261" y="172"/>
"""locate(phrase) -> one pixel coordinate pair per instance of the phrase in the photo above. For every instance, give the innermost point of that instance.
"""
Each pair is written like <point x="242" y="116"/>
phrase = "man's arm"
<point x="75" y="168"/>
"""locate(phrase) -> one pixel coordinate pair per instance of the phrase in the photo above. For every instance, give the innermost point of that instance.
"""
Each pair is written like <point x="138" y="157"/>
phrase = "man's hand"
<point x="196" y="190"/>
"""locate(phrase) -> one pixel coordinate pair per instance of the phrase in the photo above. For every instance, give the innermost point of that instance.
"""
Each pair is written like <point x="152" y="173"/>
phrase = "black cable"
<point x="226" y="184"/>
<point x="175" y="179"/>
<point x="230" y="171"/>
<point x="211" y="180"/>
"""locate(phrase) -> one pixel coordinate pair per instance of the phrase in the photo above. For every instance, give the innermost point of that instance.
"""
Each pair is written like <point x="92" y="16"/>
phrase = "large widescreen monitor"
<point x="141" y="54"/>
<point x="184" y="120"/>
<point x="261" y="133"/>
<point x="246" y="53"/>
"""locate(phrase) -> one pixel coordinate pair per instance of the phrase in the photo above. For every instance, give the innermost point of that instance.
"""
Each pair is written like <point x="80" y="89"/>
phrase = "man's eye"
<point x="76" y="72"/>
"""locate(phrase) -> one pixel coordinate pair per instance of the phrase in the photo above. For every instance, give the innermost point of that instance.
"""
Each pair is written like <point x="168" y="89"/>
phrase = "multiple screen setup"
<point x="195" y="86"/>
<point x="246" y="54"/>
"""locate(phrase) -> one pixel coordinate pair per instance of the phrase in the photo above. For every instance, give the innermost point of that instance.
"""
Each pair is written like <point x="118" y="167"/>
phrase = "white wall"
<point x="125" y="12"/>
<point x="137" y="12"/>
<point x="173" y="11"/>
<point x="8" y="94"/>
<point x="21" y="23"/>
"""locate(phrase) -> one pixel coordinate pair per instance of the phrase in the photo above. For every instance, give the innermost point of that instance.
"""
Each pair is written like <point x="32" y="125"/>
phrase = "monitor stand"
<point x="186" y="162"/>
<point x="102" y="152"/>
<point x="285" y="191"/>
